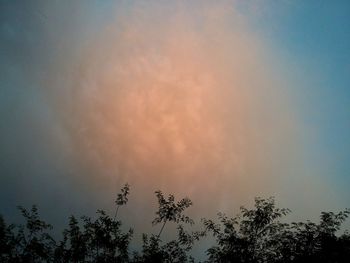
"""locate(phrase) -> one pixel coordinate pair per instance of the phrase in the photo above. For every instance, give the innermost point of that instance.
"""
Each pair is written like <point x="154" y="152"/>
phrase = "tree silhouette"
<point x="318" y="242"/>
<point x="122" y="198"/>
<point x="257" y="235"/>
<point x="251" y="236"/>
<point x="99" y="240"/>
<point x="175" y="250"/>
<point x="26" y="243"/>
<point x="73" y="247"/>
<point x="7" y="242"/>
<point x="170" y="211"/>
<point x="254" y="235"/>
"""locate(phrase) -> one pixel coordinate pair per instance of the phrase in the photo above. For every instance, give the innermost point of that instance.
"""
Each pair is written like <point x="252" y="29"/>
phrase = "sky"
<point x="220" y="101"/>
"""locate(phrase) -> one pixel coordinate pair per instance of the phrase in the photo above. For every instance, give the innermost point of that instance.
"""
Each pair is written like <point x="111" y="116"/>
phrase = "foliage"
<point x="170" y="211"/>
<point x="100" y="240"/>
<point x="175" y="250"/>
<point x="257" y="235"/>
<point x="254" y="235"/>
<point x="122" y="198"/>
<point x="26" y="243"/>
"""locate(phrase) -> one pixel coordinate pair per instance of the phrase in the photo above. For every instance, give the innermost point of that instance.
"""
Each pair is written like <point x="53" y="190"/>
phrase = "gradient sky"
<point x="218" y="101"/>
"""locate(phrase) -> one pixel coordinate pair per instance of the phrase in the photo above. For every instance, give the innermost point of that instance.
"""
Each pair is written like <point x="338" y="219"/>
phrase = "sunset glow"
<point x="220" y="101"/>
<point x="189" y="104"/>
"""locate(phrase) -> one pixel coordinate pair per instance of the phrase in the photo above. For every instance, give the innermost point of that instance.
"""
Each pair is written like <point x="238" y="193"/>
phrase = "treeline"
<point x="254" y="235"/>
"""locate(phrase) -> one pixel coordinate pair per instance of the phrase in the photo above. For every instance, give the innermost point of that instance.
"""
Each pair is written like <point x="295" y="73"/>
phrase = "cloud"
<point x="185" y="97"/>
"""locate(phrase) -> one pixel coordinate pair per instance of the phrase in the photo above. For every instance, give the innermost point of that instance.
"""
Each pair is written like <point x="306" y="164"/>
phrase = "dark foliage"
<point x="257" y="235"/>
<point x="176" y="250"/>
<point x="254" y="235"/>
<point x="26" y="243"/>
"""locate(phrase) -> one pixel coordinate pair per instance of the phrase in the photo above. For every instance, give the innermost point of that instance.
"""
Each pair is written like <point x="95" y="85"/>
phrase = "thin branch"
<point x="161" y="230"/>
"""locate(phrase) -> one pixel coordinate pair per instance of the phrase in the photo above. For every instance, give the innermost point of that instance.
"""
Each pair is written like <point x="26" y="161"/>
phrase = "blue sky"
<point x="314" y="38"/>
<point x="317" y="35"/>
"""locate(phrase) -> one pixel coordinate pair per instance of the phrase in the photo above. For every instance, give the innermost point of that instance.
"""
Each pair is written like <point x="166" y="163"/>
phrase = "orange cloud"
<point x="188" y="101"/>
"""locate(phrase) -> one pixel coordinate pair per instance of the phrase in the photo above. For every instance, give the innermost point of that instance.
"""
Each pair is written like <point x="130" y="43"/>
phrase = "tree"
<point x="7" y="242"/>
<point x="99" y="240"/>
<point x="105" y="240"/>
<point x="318" y="242"/>
<point x="73" y="247"/>
<point x="257" y="235"/>
<point x="175" y="250"/>
<point x="252" y="236"/>
<point x="122" y="198"/>
<point x="170" y="211"/>
<point x="30" y="242"/>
